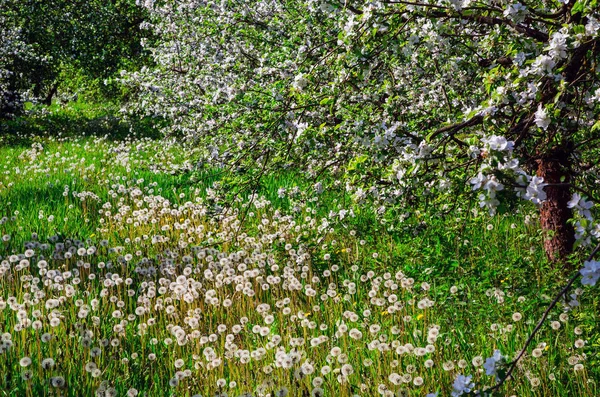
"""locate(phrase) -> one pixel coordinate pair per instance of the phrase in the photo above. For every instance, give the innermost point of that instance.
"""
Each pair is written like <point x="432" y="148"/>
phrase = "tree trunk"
<point x="555" y="169"/>
<point x="48" y="100"/>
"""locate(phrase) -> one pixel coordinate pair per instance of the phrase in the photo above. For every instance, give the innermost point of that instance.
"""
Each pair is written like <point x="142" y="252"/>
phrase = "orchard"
<point x="303" y="198"/>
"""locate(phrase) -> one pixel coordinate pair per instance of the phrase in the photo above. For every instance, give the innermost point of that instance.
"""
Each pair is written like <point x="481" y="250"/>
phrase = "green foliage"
<point x="75" y="44"/>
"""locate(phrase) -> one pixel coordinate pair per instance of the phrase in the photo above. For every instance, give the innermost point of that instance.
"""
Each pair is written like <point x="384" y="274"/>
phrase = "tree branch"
<point x="562" y="292"/>
<point x="457" y="127"/>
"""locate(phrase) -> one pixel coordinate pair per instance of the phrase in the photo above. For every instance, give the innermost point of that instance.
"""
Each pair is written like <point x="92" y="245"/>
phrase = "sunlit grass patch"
<point x="122" y="273"/>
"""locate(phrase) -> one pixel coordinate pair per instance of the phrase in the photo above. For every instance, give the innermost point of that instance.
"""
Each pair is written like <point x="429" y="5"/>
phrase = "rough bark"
<point x="554" y="212"/>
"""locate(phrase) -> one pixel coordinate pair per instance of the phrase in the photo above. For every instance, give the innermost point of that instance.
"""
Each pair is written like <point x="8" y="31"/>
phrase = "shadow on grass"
<point x="74" y="120"/>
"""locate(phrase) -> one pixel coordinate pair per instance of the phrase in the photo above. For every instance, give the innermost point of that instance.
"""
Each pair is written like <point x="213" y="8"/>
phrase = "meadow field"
<point x="123" y="273"/>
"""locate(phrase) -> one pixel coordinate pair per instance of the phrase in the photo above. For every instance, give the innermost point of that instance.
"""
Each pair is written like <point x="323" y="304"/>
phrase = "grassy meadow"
<point x="123" y="274"/>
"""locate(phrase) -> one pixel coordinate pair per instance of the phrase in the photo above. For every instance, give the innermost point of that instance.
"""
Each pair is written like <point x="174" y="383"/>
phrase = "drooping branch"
<point x="528" y="31"/>
<point x="457" y="127"/>
<point x="435" y="12"/>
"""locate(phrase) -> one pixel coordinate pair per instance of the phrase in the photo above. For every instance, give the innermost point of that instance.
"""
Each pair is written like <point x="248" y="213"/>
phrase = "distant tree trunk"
<point x="554" y="167"/>
<point x="48" y="100"/>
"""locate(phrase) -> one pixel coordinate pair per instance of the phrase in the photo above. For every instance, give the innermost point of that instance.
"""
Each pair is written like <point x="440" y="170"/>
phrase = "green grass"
<point x="72" y="120"/>
<point x="497" y="270"/>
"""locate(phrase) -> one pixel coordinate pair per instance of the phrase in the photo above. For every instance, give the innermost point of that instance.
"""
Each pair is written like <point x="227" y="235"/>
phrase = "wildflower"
<point x="564" y="317"/>
<point x="317" y="392"/>
<point x="347" y="370"/>
<point x="27" y="375"/>
<point x="58" y="382"/>
<point x="283" y="392"/>
<point x="573" y="360"/>
<point x="25" y="362"/>
<point x="89" y="367"/>
<point x="48" y="363"/>
<point x="395" y="379"/>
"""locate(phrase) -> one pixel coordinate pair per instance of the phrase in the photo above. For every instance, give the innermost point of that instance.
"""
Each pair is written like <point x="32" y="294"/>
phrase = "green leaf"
<point x="355" y="162"/>
<point x="326" y="101"/>
<point x="578" y="6"/>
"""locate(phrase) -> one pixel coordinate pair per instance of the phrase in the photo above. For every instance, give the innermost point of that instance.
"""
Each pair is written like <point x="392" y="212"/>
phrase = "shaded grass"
<point x="73" y="120"/>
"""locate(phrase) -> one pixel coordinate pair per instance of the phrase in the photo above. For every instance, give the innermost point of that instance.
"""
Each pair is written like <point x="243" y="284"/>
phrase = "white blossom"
<point x="541" y="118"/>
<point x="590" y="273"/>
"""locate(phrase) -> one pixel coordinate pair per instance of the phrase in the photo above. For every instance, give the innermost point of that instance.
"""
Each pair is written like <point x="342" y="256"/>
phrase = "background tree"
<point x="14" y="53"/>
<point x="97" y="38"/>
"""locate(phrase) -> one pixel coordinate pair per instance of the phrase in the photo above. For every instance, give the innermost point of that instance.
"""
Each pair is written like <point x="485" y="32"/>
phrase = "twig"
<point x="513" y="365"/>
